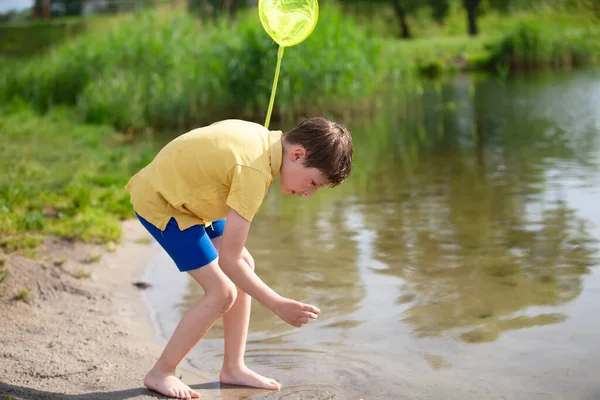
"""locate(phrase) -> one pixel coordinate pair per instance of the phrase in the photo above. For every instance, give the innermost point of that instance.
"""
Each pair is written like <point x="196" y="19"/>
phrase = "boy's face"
<point x="298" y="180"/>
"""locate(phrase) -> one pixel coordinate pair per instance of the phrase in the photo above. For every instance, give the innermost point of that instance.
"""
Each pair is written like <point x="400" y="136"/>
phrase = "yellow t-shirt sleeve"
<point x="248" y="190"/>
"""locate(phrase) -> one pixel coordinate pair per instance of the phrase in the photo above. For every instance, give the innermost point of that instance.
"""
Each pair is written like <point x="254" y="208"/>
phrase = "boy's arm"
<point x="230" y="261"/>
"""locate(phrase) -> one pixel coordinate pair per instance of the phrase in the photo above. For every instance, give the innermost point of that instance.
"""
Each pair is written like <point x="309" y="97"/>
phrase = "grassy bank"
<point x="63" y="178"/>
<point x="505" y="44"/>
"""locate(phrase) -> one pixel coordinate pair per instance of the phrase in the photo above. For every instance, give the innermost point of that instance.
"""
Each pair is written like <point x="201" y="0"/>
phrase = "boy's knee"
<point x="226" y="296"/>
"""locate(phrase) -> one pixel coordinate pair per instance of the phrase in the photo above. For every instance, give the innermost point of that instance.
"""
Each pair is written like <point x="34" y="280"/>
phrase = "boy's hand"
<point x="294" y="312"/>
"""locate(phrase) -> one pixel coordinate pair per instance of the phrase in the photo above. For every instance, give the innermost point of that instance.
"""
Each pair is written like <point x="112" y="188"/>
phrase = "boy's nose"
<point x="310" y="192"/>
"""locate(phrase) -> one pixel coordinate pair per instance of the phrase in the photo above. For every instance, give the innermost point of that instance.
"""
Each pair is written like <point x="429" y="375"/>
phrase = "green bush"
<point x="533" y="46"/>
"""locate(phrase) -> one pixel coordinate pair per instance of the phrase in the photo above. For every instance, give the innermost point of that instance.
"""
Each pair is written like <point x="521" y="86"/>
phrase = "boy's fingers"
<point x="311" y="315"/>
<point x="313" y="309"/>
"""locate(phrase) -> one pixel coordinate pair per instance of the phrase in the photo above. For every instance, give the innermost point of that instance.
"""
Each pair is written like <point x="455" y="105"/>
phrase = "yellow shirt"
<point x="199" y="175"/>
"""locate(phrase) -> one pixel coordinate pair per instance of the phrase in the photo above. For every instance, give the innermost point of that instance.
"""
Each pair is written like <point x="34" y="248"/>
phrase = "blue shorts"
<point x="191" y="248"/>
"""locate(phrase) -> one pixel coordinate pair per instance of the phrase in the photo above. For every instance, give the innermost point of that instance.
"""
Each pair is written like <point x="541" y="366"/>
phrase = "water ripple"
<point x="352" y="375"/>
<point x="305" y="392"/>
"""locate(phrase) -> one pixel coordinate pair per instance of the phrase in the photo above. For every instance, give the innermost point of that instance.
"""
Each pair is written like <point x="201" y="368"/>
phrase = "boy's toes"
<point x="275" y="384"/>
<point x="180" y="394"/>
<point x="169" y="385"/>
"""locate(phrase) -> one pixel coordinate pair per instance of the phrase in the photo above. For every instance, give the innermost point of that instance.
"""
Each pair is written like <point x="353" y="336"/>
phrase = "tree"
<point x="439" y="9"/>
<point x="401" y="10"/>
<point x="471" y="7"/>
<point x="404" y="8"/>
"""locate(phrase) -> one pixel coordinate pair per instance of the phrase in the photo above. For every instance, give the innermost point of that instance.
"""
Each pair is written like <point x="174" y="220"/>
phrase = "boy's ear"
<point x="298" y="154"/>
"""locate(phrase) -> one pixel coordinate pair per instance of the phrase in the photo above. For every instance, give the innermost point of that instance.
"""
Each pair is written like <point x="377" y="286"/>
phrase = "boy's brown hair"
<point x="328" y="146"/>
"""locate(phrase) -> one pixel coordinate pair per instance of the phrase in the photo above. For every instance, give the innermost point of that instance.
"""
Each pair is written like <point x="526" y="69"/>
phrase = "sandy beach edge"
<point x="83" y="332"/>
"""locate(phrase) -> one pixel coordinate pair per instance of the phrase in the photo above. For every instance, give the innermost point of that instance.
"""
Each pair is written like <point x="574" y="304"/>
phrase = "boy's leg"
<point x="219" y="296"/>
<point x="235" y="324"/>
<point x="193" y="252"/>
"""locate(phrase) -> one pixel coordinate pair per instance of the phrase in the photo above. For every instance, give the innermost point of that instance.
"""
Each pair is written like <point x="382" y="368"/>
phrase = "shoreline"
<point x="90" y="336"/>
<point x="85" y="332"/>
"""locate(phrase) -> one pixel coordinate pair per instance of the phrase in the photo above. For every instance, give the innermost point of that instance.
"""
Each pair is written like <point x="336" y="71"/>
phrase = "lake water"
<point x="458" y="262"/>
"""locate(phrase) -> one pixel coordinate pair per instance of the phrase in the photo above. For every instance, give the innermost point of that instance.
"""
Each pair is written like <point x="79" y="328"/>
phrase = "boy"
<point x="222" y="173"/>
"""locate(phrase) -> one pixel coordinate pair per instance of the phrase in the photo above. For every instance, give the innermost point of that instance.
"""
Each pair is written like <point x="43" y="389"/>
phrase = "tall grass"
<point x="336" y="66"/>
<point x="170" y="72"/>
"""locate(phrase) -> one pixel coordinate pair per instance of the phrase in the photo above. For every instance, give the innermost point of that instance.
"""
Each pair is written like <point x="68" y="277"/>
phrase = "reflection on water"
<point x="466" y="237"/>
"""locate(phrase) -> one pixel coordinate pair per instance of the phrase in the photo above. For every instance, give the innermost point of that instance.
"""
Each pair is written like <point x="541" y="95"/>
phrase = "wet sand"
<point x="87" y="338"/>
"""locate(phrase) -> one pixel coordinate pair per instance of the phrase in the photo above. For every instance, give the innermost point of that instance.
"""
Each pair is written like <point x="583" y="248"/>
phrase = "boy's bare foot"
<point x="243" y="376"/>
<point x="167" y="383"/>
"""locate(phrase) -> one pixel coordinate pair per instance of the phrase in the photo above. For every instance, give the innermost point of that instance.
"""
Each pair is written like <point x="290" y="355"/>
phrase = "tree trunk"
<point x="471" y="7"/>
<point x="401" y="14"/>
<point x="229" y="9"/>
<point x="46" y="9"/>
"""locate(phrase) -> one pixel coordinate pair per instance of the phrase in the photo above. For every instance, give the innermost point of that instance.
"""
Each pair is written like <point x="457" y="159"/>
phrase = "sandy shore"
<point x="85" y="333"/>
<point x="85" y="330"/>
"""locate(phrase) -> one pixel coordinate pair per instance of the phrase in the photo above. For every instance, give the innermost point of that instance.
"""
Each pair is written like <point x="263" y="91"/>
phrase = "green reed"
<point x="174" y="71"/>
